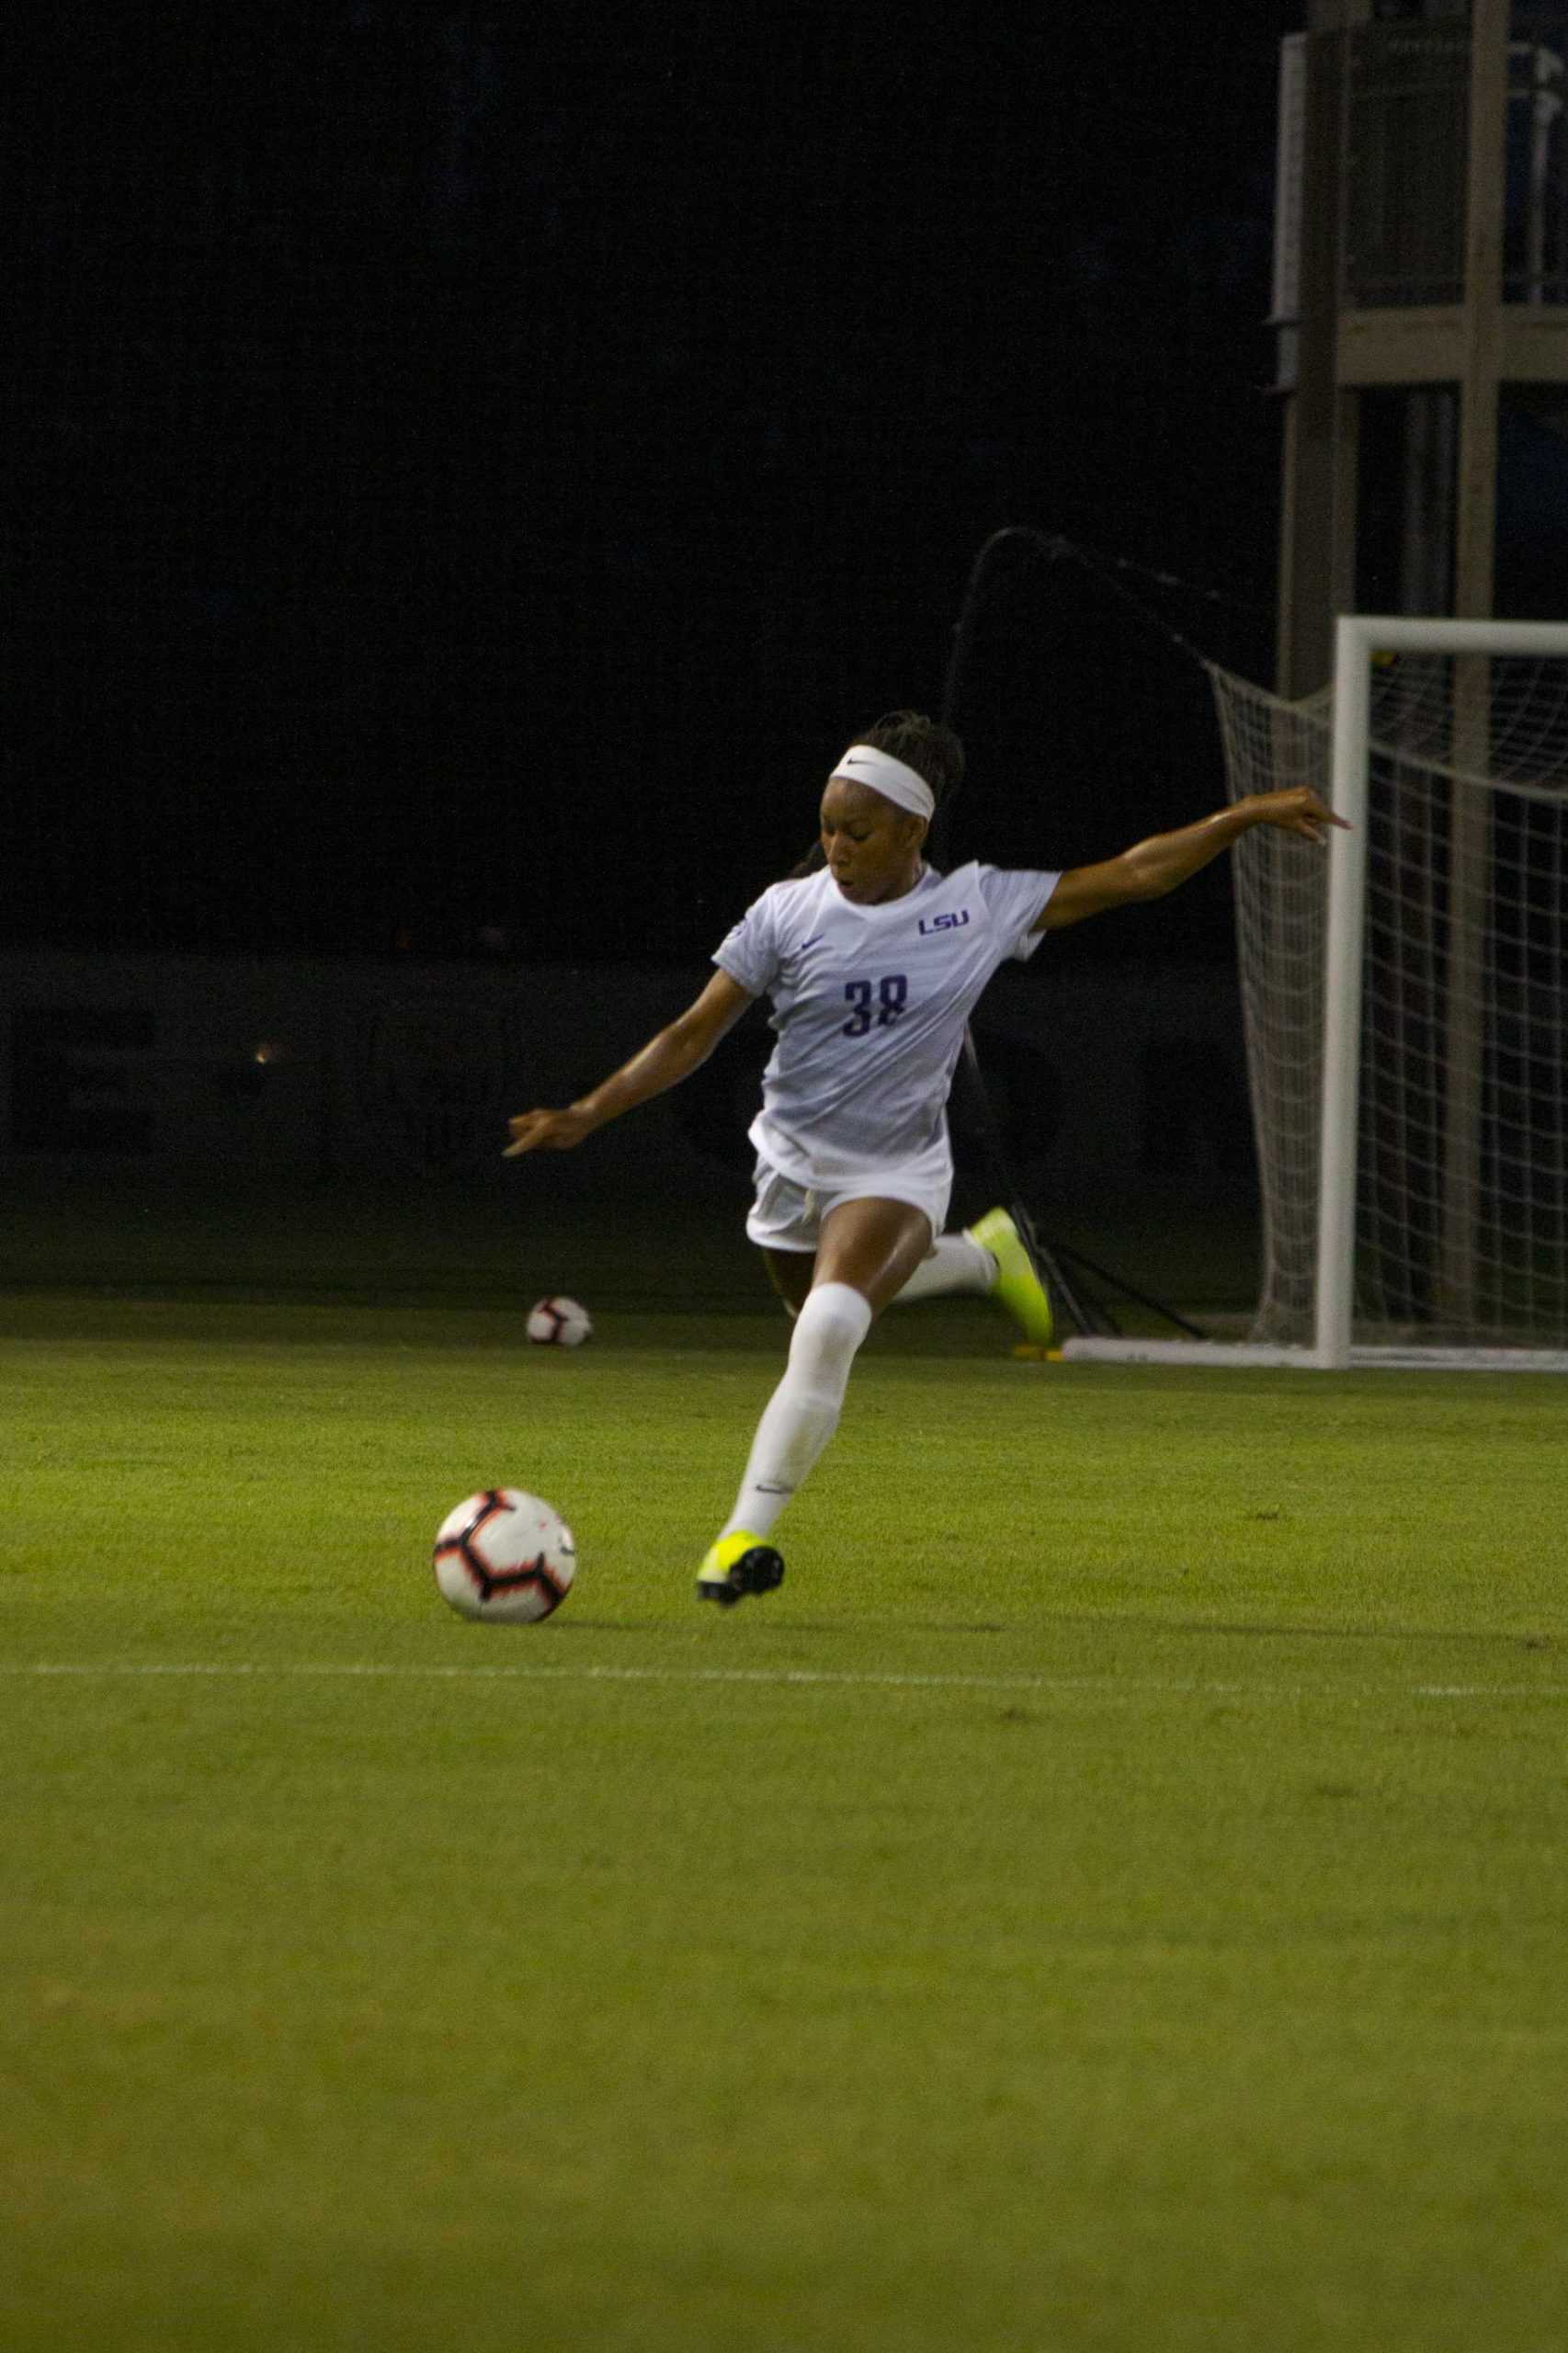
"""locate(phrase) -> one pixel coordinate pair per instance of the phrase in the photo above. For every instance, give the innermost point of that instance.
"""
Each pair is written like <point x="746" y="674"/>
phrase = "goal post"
<point x="1406" y="1003"/>
<point x="1469" y="646"/>
<point x="1343" y="945"/>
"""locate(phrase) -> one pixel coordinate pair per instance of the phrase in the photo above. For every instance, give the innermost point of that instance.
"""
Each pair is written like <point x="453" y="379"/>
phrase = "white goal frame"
<point x="1357" y="637"/>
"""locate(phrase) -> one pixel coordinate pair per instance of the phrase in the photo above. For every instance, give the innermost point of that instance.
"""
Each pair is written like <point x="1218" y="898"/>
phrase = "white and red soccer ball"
<point x="505" y="1557"/>
<point x="559" y="1322"/>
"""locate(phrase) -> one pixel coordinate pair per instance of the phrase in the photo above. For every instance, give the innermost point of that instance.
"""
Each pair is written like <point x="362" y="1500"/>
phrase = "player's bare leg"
<point x="866" y="1253"/>
<point x="874" y="1245"/>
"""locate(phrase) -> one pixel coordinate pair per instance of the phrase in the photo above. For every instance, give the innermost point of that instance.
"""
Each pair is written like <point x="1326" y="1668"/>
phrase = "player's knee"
<point x="829" y="1328"/>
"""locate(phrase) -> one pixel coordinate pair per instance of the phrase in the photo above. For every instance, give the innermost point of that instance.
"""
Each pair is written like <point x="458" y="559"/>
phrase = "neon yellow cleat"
<point x="738" y="1564"/>
<point x="1018" y="1286"/>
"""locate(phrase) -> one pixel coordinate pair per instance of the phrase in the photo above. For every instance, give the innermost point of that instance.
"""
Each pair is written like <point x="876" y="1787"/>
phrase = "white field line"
<point x="1106" y="1686"/>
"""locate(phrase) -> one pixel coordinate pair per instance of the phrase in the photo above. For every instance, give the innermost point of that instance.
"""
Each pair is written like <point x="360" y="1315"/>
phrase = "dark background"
<point x="471" y="470"/>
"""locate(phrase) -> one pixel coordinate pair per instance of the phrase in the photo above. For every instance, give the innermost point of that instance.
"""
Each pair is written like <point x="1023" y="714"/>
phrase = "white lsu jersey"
<point x="870" y="1005"/>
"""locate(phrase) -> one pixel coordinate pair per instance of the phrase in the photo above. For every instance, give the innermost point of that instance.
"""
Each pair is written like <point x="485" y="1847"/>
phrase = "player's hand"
<point x="546" y="1132"/>
<point x="1297" y="810"/>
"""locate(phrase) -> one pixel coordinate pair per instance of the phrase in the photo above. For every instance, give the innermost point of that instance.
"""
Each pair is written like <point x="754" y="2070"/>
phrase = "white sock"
<point x="802" y="1412"/>
<point x="955" y="1264"/>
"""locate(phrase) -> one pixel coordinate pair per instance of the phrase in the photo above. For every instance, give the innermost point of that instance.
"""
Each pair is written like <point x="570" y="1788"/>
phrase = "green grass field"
<point x="1114" y="1896"/>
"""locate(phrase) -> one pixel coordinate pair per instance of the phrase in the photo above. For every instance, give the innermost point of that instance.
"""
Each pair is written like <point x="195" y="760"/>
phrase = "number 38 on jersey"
<point x="877" y="1004"/>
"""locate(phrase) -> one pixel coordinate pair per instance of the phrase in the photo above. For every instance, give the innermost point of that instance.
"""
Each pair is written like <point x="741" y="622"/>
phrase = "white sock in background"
<point x="802" y="1412"/>
<point x="955" y="1264"/>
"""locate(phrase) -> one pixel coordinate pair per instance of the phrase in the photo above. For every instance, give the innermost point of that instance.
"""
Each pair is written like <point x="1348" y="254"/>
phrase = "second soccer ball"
<point x="558" y="1323"/>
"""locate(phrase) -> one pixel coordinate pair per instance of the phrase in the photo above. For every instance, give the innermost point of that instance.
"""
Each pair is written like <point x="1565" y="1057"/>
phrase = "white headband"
<point x="895" y="779"/>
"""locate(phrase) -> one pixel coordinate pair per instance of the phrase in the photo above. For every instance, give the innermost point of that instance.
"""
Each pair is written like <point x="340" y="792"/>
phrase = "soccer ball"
<point x="558" y="1324"/>
<point x="505" y="1557"/>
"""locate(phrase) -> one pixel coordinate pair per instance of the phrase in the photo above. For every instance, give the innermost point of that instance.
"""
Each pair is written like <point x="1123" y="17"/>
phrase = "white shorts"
<point x="785" y="1216"/>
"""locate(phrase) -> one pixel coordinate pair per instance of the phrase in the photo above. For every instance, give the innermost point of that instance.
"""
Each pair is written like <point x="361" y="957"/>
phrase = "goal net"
<point x="1406" y="1000"/>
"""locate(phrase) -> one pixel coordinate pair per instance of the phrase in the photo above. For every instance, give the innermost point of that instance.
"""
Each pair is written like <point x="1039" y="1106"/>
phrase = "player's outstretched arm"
<point x="662" y="1062"/>
<point x="1150" y="868"/>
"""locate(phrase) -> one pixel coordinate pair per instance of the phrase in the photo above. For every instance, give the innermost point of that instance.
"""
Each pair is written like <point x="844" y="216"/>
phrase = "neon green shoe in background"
<point x="1018" y="1286"/>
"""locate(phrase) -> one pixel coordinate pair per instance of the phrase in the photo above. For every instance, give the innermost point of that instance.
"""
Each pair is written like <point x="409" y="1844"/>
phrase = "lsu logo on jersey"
<point x="944" y="923"/>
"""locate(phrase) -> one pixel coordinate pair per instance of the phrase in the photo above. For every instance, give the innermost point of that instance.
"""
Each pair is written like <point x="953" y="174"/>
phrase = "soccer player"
<point x="873" y="965"/>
